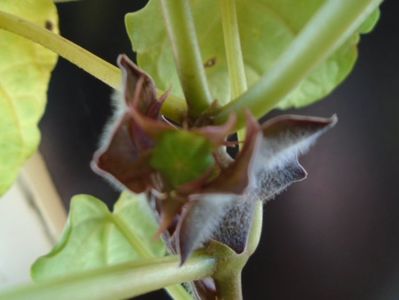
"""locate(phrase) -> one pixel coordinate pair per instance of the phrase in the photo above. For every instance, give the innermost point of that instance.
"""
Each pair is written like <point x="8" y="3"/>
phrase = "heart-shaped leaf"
<point x="94" y="237"/>
<point x="267" y="27"/>
<point x="25" y="69"/>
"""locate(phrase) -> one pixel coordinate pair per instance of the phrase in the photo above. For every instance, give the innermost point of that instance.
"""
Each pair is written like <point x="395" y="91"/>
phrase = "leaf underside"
<point x="267" y="27"/>
<point x="25" y="69"/>
<point x="94" y="237"/>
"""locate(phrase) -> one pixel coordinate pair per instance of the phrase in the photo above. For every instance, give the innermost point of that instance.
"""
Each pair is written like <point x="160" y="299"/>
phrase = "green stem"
<point x="177" y="292"/>
<point x="174" y="107"/>
<point x="181" y="31"/>
<point x="232" y="44"/>
<point x="118" y="282"/>
<point x="230" y="288"/>
<point x="230" y="264"/>
<point x="256" y="229"/>
<point x="328" y="29"/>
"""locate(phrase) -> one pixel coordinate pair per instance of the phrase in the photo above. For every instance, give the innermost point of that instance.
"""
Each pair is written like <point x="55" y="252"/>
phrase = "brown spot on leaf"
<point x="49" y="25"/>
<point x="210" y="62"/>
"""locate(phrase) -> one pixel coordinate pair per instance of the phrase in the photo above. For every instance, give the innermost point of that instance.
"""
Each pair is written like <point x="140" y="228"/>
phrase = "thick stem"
<point x="230" y="288"/>
<point x="328" y="29"/>
<point x="232" y="44"/>
<point x="174" y="107"/>
<point x="118" y="282"/>
<point x="181" y="30"/>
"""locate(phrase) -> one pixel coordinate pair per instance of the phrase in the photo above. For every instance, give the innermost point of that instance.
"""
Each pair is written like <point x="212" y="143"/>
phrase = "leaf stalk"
<point x="186" y="51"/>
<point x="119" y="281"/>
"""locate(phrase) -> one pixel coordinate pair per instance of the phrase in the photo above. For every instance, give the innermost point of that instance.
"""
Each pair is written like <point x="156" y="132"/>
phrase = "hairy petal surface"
<point x="124" y="156"/>
<point x="206" y="210"/>
<point x="201" y="217"/>
<point x="284" y="139"/>
<point x="269" y="162"/>
<point x="144" y="152"/>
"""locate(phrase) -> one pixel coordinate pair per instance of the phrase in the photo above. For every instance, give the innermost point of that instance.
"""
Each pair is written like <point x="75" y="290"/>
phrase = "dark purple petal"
<point x="235" y="177"/>
<point x="233" y="229"/>
<point x="267" y="164"/>
<point x="138" y="89"/>
<point x="276" y="163"/>
<point x="124" y="155"/>
<point x="120" y="160"/>
<point x="206" y="210"/>
<point x="274" y="168"/>
<point x="199" y="219"/>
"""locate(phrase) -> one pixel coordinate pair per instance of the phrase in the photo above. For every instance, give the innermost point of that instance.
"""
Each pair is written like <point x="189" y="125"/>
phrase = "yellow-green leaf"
<point x="94" y="237"/>
<point x="25" y="70"/>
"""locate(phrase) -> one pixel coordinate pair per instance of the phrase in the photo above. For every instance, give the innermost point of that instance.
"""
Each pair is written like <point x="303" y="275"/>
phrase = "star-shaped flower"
<point x="201" y="193"/>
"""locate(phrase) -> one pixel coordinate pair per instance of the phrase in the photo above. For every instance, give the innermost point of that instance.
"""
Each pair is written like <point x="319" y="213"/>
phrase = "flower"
<point x="200" y="192"/>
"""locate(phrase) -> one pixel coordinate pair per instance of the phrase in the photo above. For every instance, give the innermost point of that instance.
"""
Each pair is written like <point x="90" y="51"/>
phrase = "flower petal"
<point x="138" y="88"/>
<point x="120" y="161"/>
<point x="124" y="155"/>
<point x="207" y="209"/>
<point x="199" y="219"/>
<point x="235" y="178"/>
<point x="233" y="229"/>
<point x="267" y="164"/>
<point x="286" y="137"/>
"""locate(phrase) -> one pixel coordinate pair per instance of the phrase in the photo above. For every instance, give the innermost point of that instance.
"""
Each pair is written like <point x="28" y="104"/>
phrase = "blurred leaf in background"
<point x="267" y="27"/>
<point x="25" y="70"/>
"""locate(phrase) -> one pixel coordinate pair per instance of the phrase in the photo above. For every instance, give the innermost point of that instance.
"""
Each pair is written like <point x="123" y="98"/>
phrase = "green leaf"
<point x="267" y="27"/>
<point x="94" y="237"/>
<point x="182" y="156"/>
<point x="25" y="70"/>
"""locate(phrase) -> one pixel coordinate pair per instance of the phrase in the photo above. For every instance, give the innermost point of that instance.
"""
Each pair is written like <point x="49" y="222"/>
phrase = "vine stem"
<point x="232" y="44"/>
<point x="174" y="107"/>
<point x="119" y="281"/>
<point x="187" y="55"/>
<point x="230" y="288"/>
<point x="328" y="29"/>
